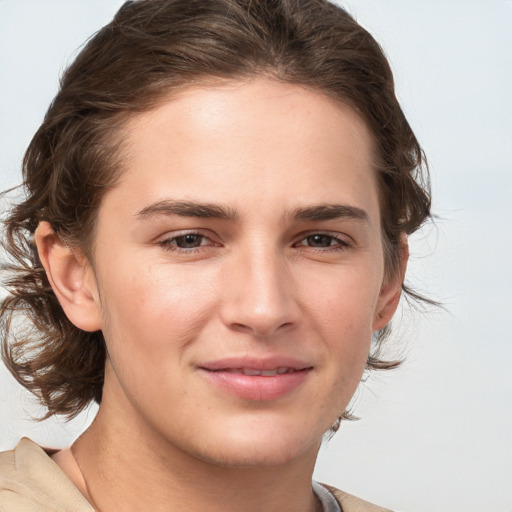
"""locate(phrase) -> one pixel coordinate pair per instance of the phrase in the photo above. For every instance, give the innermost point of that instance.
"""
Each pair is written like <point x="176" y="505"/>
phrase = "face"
<point x="239" y="270"/>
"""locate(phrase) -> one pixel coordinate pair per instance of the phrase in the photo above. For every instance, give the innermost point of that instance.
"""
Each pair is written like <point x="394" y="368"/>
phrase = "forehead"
<point x="249" y="140"/>
<point x="233" y="107"/>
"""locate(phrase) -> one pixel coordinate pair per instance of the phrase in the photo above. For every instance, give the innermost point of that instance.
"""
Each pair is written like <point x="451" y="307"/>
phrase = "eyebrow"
<point x="330" y="212"/>
<point x="187" y="209"/>
<point x="215" y="211"/>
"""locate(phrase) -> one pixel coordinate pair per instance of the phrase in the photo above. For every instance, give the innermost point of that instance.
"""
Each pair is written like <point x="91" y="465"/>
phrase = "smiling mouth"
<point x="252" y="372"/>
<point x="257" y="384"/>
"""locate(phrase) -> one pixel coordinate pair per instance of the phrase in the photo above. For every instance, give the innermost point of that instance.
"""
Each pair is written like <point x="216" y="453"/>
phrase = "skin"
<point x="272" y="279"/>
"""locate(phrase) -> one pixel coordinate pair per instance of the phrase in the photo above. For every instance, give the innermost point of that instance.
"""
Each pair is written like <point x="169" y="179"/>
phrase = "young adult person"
<point x="212" y="245"/>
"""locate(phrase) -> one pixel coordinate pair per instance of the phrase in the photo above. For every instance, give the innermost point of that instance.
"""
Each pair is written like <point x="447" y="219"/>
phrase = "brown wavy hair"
<point x="150" y="49"/>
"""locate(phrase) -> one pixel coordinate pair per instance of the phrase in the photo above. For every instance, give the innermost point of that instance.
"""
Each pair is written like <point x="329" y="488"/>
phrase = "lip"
<point x="226" y="375"/>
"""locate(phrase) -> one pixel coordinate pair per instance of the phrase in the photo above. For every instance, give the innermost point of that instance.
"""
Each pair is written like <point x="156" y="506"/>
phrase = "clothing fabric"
<point x="31" y="482"/>
<point x="329" y="502"/>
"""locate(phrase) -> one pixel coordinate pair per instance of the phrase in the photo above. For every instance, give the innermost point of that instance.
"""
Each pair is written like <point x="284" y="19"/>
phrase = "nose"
<point x="259" y="295"/>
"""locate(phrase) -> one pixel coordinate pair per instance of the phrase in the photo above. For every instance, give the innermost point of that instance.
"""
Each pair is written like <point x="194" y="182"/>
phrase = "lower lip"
<point x="256" y="387"/>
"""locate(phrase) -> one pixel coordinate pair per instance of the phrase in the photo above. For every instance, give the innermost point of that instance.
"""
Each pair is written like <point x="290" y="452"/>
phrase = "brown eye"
<point x="323" y="241"/>
<point x="319" y="240"/>
<point x="190" y="241"/>
<point x="187" y="241"/>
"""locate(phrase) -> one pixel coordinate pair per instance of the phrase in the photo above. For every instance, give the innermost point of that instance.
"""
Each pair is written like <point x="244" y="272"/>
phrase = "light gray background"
<point x="436" y="435"/>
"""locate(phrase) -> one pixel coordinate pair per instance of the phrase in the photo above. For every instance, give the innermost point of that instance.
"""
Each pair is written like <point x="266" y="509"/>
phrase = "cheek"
<point x="153" y="311"/>
<point x="343" y="300"/>
<point x="341" y="309"/>
<point x="150" y="319"/>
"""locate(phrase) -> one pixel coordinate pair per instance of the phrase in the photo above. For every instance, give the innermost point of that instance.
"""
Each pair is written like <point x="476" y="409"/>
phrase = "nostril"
<point x="241" y="327"/>
<point x="261" y="329"/>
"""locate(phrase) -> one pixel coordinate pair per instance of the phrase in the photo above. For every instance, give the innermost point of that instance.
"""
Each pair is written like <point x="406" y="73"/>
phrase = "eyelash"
<point x="339" y="244"/>
<point x="169" y="245"/>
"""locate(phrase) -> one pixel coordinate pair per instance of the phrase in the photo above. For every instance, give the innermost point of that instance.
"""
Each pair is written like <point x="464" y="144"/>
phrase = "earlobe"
<point x="391" y="290"/>
<point x="71" y="278"/>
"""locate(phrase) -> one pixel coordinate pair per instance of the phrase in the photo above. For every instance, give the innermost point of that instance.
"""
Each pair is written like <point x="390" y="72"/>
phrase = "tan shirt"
<point x="31" y="482"/>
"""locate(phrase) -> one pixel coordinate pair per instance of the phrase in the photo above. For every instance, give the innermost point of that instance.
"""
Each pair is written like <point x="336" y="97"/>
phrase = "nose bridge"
<point x="260" y="299"/>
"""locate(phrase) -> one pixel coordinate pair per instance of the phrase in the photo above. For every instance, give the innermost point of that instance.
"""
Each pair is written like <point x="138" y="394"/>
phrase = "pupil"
<point x="188" y="241"/>
<point x="319" y="240"/>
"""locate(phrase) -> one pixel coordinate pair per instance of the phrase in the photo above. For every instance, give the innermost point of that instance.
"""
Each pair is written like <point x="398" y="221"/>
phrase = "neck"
<point x="127" y="467"/>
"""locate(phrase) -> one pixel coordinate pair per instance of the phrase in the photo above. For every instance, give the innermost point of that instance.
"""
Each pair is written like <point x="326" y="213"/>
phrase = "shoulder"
<point x="30" y="480"/>
<point x="351" y="503"/>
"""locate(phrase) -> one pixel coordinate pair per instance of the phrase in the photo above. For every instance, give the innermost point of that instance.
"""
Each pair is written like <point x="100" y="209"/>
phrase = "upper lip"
<point x="256" y="363"/>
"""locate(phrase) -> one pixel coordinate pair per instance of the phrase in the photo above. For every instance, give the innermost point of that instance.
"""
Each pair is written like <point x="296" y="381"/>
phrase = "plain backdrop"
<point x="435" y="435"/>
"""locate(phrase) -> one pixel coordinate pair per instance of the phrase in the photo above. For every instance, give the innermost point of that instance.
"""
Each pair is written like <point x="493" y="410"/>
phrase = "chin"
<point x="251" y="457"/>
<point x="262" y="447"/>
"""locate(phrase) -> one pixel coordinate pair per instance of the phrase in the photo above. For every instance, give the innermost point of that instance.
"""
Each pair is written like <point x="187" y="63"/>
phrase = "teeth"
<point x="248" y="371"/>
<point x="265" y="373"/>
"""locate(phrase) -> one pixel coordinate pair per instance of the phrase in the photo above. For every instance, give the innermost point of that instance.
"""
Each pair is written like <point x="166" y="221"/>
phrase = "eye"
<point x="323" y="241"/>
<point x="186" y="241"/>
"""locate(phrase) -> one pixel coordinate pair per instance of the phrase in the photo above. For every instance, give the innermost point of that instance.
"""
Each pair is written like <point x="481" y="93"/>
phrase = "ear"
<point x="71" y="278"/>
<point x="391" y="289"/>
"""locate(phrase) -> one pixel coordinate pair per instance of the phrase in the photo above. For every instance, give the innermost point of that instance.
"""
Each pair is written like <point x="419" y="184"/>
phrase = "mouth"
<point x="257" y="380"/>
<point x="260" y="373"/>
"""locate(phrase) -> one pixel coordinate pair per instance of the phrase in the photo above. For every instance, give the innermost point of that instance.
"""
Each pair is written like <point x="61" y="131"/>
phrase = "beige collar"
<point x="30" y="480"/>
